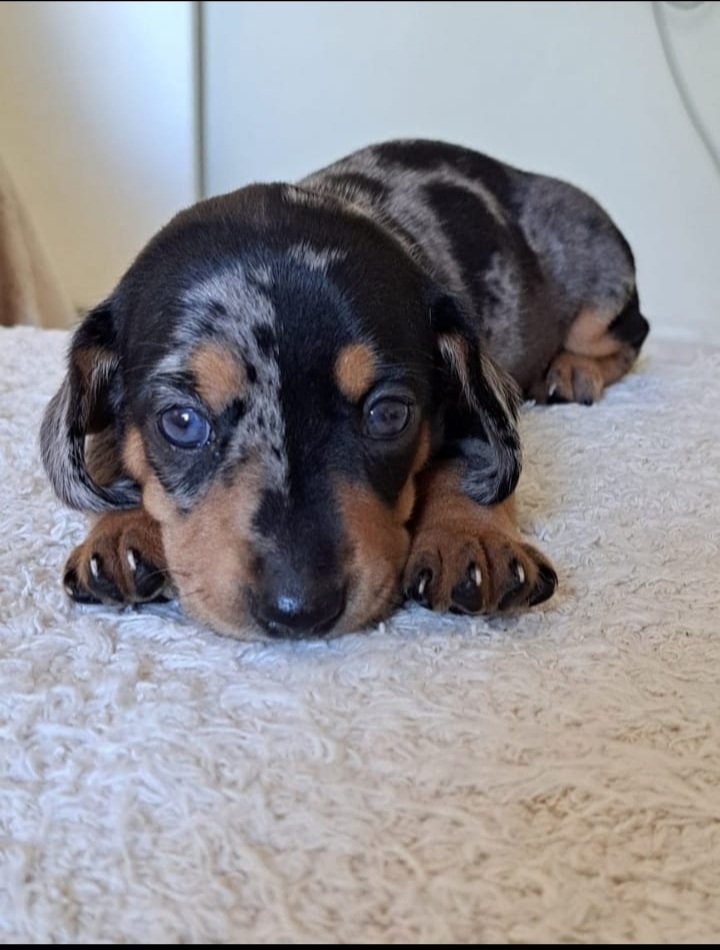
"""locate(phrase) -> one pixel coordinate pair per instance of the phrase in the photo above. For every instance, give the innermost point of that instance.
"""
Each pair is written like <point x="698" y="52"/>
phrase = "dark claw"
<point x="580" y="385"/>
<point x="74" y="590"/>
<point x="148" y="578"/>
<point x="466" y="596"/>
<point x="419" y="589"/>
<point x="556" y="399"/>
<point x="509" y="598"/>
<point x="103" y="588"/>
<point x="545" y="586"/>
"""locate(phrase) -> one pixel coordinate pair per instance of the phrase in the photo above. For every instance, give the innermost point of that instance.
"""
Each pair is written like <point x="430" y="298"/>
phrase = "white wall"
<point x="97" y="127"/>
<point x="580" y="90"/>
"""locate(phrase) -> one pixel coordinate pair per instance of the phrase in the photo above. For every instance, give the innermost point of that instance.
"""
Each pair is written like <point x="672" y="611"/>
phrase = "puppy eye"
<point x="184" y="427"/>
<point x="387" y="418"/>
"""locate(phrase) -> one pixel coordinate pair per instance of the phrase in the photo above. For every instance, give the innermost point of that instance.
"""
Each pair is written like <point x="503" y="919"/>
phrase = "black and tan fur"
<point x="299" y="405"/>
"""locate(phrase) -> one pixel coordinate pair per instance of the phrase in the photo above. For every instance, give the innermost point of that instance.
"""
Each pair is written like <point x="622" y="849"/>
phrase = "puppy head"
<point x="272" y="371"/>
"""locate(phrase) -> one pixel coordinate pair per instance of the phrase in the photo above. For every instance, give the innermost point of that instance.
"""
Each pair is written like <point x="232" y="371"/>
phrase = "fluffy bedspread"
<point x="551" y="777"/>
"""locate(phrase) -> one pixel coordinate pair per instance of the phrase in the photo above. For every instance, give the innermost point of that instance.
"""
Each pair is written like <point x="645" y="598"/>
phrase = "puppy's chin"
<point x="226" y="621"/>
<point x="364" y="609"/>
<point x="371" y="596"/>
<point x="221" y="598"/>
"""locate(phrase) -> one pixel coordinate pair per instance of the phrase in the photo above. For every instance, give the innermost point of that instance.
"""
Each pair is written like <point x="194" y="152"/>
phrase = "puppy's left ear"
<point x="86" y="404"/>
<point x="483" y="400"/>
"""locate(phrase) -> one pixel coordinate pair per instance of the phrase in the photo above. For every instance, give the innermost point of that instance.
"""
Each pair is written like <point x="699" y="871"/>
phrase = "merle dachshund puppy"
<point x="299" y="404"/>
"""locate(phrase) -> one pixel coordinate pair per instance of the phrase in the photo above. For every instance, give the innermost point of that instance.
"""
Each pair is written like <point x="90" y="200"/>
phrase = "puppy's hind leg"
<point x="599" y="349"/>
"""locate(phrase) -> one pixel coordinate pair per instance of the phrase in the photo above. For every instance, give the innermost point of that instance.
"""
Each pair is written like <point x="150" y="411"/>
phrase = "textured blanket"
<point x="550" y="777"/>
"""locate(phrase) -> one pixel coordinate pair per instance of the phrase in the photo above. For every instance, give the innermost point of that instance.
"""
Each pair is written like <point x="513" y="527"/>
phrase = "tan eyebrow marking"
<point x="355" y="370"/>
<point x="220" y="377"/>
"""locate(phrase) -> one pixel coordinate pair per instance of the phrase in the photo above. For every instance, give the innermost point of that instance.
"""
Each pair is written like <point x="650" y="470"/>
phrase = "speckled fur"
<point x="548" y="247"/>
<point x="447" y="283"/>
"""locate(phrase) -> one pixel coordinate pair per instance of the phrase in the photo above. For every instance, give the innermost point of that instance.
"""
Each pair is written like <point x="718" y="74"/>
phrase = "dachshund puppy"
<point x="299" y="405"/>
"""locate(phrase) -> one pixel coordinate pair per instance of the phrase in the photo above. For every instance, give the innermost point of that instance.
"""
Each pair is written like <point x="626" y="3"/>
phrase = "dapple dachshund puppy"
<point x="299" y="405"/>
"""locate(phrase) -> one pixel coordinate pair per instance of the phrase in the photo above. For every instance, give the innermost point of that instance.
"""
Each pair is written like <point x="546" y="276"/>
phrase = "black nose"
<point x="295" y="611"/>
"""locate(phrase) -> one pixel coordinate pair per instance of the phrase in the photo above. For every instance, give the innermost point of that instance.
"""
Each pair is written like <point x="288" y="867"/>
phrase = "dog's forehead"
<point x="274" y="345"/>
<point x="249" y="338"/>
<point x="283" y="317"/>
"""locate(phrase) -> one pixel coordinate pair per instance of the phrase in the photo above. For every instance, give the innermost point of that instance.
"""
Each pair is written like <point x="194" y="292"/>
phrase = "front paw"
<point x="120" y="562"/>
<point x="476" y="572"/>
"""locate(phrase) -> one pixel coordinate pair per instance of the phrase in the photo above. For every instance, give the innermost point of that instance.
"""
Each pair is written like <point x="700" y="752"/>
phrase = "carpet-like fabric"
<point x="554" y="776"/>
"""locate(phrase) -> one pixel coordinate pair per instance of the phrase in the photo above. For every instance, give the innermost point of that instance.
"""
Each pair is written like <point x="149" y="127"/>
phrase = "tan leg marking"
<point x="588" y="335"/>
<point x="591" y="360"/>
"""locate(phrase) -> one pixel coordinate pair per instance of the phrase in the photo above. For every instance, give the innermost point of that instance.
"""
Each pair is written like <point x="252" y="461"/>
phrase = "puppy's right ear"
<point x="86" y="403"/>
<point x="482" y="428"/>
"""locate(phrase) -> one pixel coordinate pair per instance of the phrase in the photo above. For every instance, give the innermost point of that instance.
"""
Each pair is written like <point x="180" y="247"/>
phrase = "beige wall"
<point x="580" y="90"/>
<point x="96" y="127"/>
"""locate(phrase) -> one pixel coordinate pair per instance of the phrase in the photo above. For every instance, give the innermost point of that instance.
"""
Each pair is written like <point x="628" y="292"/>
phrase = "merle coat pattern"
<point x="299" y="404"/>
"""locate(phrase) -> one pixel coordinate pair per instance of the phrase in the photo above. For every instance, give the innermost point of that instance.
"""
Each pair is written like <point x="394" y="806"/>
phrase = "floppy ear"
<point x="86" y="404"/>
<point x="481" y="425"/>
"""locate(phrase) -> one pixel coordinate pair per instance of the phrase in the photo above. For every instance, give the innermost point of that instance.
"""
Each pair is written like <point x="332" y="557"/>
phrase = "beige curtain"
<point x="29" y="291"/>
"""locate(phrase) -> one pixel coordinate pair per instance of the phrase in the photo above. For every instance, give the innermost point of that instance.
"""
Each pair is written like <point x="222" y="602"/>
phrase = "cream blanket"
<point x="553" y="777"/>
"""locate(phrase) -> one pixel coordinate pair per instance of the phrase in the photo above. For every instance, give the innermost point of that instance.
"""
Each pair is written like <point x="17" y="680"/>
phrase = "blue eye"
<point x="184" y="427"/>
<point x="387" y="418"/>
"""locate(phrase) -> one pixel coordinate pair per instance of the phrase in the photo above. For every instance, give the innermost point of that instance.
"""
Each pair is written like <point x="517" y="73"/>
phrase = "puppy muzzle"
<point x="296" y="603"/>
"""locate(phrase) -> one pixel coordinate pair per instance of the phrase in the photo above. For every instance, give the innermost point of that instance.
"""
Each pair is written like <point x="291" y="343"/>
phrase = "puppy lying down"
<point x="299" y="405"/>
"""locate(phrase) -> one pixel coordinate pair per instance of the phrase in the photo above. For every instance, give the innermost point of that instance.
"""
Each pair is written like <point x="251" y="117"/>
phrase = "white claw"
<point x="130" y="558"/>
<point x="421" y="586"/>
<point x="94" y="567"/>
<point x="521" y="573"/>
<point x="552" y="389"/>
<point x="477" y="576"/>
